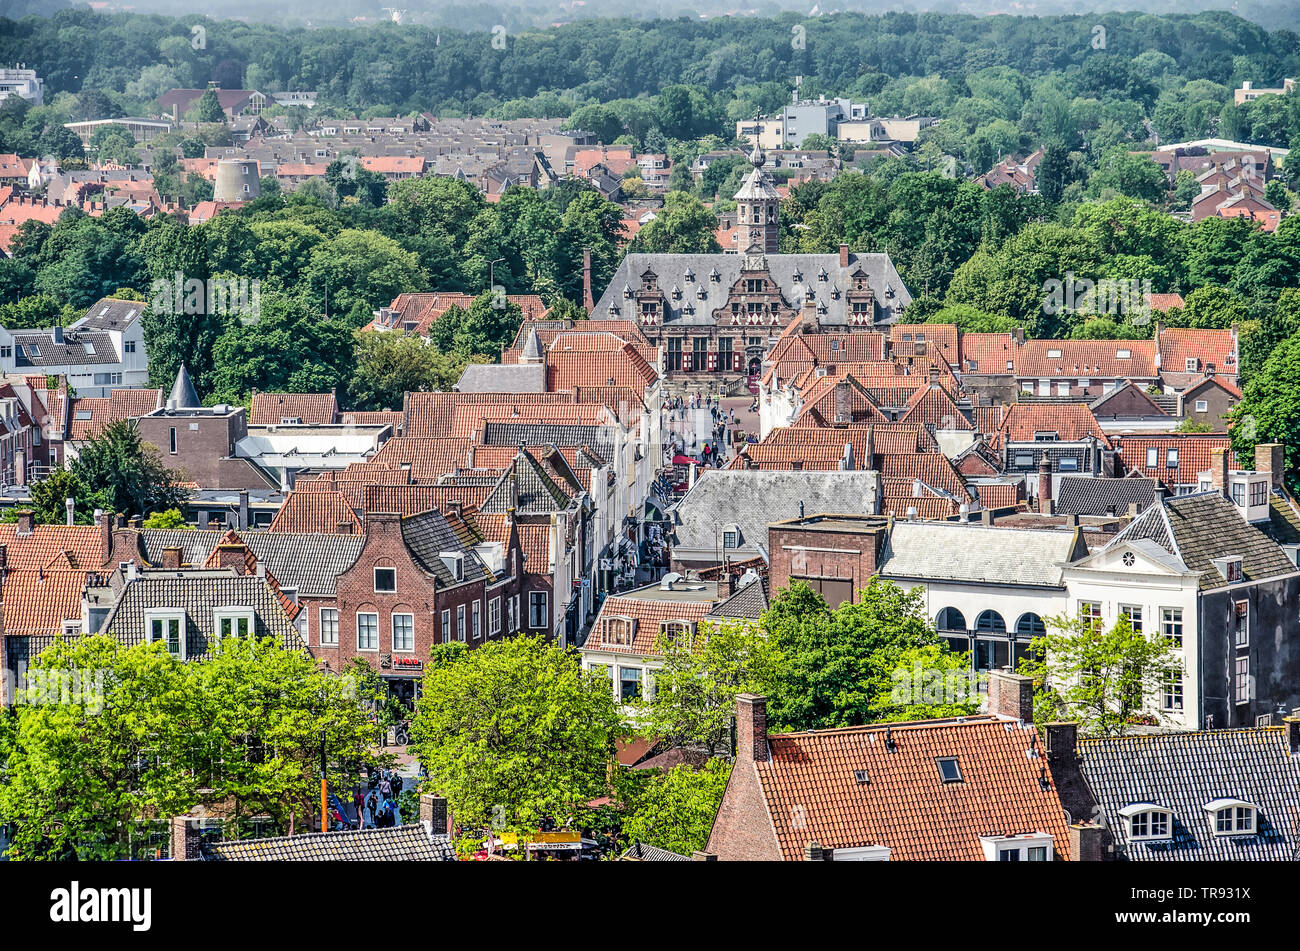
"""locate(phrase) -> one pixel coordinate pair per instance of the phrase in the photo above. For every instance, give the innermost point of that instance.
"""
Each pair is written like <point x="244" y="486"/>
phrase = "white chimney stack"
<point x="71" y="505"/>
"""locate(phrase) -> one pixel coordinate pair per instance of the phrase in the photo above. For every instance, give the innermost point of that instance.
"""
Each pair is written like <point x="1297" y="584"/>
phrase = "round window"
<point x="1129" y="559"/>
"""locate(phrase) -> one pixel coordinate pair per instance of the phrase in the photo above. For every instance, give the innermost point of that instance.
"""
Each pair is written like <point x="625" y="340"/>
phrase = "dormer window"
<point x="232" y="622"/>
<point x="1192" y="364"/>
<point x="1054" y="354"/>
<point x="822" y="275"/>
<point x="1147" y="821"/>
<point x="1231" y="816"/>
<point x="618" y="631"/>
<point x="677" y="631"/>
<point x="689" y="276"/>
<point x="455" y="563"/>
<point x="168" y="627"/>
<point x="290" y="421"/>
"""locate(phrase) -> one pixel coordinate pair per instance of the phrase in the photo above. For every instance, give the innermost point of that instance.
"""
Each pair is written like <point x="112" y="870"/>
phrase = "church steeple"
<point x="757" y="206"/>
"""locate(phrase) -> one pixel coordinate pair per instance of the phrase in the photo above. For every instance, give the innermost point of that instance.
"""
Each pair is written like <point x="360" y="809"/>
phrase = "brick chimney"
<point x="171" y="559"/>
<point x="184" y="839"/>
<point x="1270" y="457"/>
<point x="26" y="520"/>
<point x="435" y="814"/>
<point x="1292" y="724"/>
<point x="751" y="728"/>
<point x="1219" y="469"/>
<point x="344" y="528"/>
<point x="1011" y="695"/>
<point x="1045" y="485"/>
<point x="1085" y="842"/>
<point x="843" y="403"/>
<point x="105" y="523"/>
<point x="844" y="255"/>
<point x="1060" y="743"/>
<point x="232" y="555"/>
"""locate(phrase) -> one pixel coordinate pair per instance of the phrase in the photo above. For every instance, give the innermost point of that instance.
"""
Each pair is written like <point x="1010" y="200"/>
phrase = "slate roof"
<point x="1184" y="771"/>
<point x="429" y="534"/>
<point x="307" y="562"/>
<point x="753" y="499"/>
<point x="747" y="603"/>
<point x="198" y="593"/>
<point x="978" y="554"/>
<point x="528" y="488"/>
<point x="1103" y="496"/>
<point x="406" y="843"/>
<point x="503" y="378"/>
<point x="599" y="438"/>
<point x="674" y="268"/>
<point x="812" y="790"/>
<point x="1200" y="528"/>
<point x="195" y="544"/>
<point x="640" y="852"/>
<point x="78" y="348"/>
<point x="109" y="313"/>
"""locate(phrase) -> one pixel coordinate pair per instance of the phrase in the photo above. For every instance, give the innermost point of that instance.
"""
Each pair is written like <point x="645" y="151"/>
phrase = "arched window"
<point x="991" y="622"/>
<point x="950" y="619"/>
<point x="1030" y="625"/>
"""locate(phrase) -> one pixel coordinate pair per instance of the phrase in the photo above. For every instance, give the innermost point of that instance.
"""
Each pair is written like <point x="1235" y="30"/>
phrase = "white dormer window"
<point x="455" y="562"/>
<point x="1123" y="354"/>
<point x="1192" y="364"/>
<point x="1030" y="847"/>
<point x="1147" y="821"/>
<point x="1054" y="354"/>
<point x="168" y="627"/>
<point x="290" y="420"/>
<point x="677" y="631"/>
<point x="617" y="630"/>
<point x="1231" y="816"/>
<point x="1153" y="457"/>
<point x="232" y="622"/>
<point x="866" y="853"/>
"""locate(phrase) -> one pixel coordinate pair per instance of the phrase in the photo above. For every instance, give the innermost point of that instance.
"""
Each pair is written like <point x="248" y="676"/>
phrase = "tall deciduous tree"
<point x="516" y="734"/>
<point x="128" y="472"/>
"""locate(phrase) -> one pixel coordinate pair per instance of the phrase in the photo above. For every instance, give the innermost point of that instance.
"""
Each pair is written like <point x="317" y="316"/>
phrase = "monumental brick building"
<point x="716" y="315"/>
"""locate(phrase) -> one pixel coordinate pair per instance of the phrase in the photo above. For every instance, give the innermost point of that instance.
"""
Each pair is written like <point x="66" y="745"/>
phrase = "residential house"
<point x="101" y="351"/>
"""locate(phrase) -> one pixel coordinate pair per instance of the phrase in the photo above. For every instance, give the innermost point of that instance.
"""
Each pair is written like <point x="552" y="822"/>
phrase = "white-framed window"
<point x="1032" y="847"/>
<point x="1241" y="617"/>
<point x="403" y="632"/>
<point x="329" y="627"/>
<point x="1090" y="611"/>
<point x="1171" y="458"/>
<point x="476" y="619"/>
<point x="1241" y="679"/>
<point x="1232" y="816"/>
<point x="866" y="853"/>
<point x="1147" y="821"/>
<point x="232" y="622"/>
<point x="729" y="540"/>
<point x="629" y="683"/>
<point x="494" y="615"/>
<point x="1171" y="692"/>
<point x="1153" y="457"/>
<point x="677" y="631"/>
<point x="169" y="628"/>
<point x="385" y="580"/>
<point x="460" y="622"/>
<point x="616" y="630"/>
<point x="446" y="627"/>
<point x="1134" y="614"/>
<point x="1202" y="406"/>
<point x="367" y="631"/>
<point x="1191" y="363"/>
<point x="537" y="608"/>
<point x="1171" y="626"/>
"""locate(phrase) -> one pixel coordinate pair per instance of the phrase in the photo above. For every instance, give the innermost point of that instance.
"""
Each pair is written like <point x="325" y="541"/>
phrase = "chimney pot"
<point x="844" y="255"/>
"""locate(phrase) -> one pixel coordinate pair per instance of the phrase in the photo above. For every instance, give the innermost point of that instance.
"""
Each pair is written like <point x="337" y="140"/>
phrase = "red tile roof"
<point x="46" y="542"/>
<point x="308" y="509"/>
<point x="932" y="468"/>
<point x="988" y="352"/>
<point x="1178" y="345"/>
<point x="427" y="457"/>
<point x="813" y="794"/>
<point x="942" y="337"/>
<point x="648" y="614"/>
<point x="933" y="405"/>
<point x="312" y="408"/>
<point x="37" y="602"/>
<point x="1103" y="359"/>
<point x="1194" y="455"/>
<point x="1070" y="421"/>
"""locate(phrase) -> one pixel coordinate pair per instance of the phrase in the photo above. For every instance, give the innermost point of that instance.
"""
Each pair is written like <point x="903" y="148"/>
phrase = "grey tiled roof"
<point x="428" y="535"/>
<point x="408" y="843"/>
<point x="639" y="852"/>
<point x="747" y="603"/>
<point x="673" y="269"/>
<point x="975" y="553"/>
<point x="195" y="544"/>
<point x="538" y="493"/>
<point x="1184" y="771"/>
<point x="752" y="498"/>
<point x="198" y="594"/>
<point x="503" y="378"/>
<point x="109" y="313"/>
<point x="555" y="434"/>
<point x="1200" y="528"/>
<point x="70" y="352"/>
<point x="1103" y="496"/>
<point x="306" y="562"/>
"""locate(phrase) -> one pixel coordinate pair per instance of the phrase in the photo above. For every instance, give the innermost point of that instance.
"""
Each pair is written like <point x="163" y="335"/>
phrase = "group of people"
<point x="377" y="808"/>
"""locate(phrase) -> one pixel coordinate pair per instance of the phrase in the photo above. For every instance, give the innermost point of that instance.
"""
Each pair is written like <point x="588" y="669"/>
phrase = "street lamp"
<point x="492" y="274"/>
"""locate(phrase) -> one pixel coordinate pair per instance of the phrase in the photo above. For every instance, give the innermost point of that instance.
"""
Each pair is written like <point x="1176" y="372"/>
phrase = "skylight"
<point x="949" y="771"/>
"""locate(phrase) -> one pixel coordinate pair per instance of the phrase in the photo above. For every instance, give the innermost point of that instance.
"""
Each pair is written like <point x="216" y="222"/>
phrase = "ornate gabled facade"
<point x="717" y="315"/>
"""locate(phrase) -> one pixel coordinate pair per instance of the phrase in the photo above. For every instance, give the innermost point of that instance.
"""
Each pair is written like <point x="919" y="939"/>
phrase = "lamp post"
<point x="324" y="814"/>
<point x="492" y="273"/>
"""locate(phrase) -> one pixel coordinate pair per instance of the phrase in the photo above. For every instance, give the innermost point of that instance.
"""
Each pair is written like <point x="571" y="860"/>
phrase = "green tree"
<point x="128" y="472"/>
<point x="674" y="809"/>
<point x="490" y="322"/>
<point x="1107" y="680"/>
<point x="389" y="365"/>
<point x="208" y="108"/>
<point x="1269" y="410"/>
<point x="516" y="734"/>
<point x="167" y="518"/>
<point x="49" y="499"/>
<point x="694" y="699"/>
<point x="682" y="226"/>
<point x="926" y="682"/>
<point x="837" y="665"/>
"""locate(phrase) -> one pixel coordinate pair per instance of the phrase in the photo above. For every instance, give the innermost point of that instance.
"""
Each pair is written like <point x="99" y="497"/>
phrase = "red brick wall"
<point x="742" y="830"/>
<point x="855" y="558"/>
